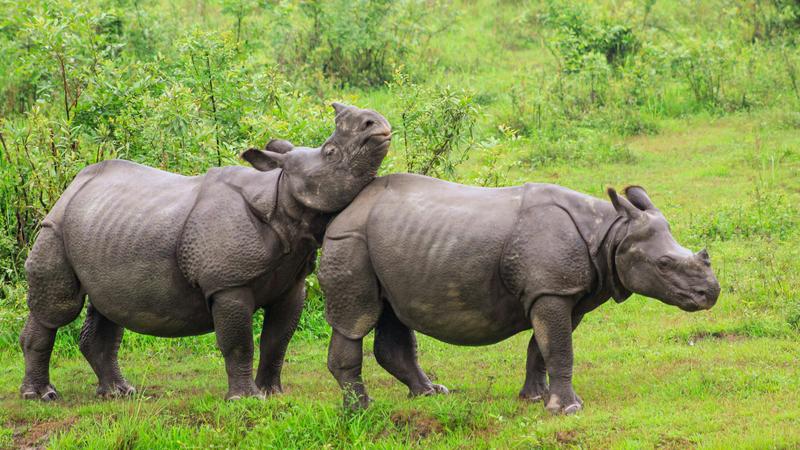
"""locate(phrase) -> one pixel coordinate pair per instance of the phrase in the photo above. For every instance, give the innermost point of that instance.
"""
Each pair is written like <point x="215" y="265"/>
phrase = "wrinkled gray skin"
<point x="169" y="255"/>
<point x="474" y="266"/>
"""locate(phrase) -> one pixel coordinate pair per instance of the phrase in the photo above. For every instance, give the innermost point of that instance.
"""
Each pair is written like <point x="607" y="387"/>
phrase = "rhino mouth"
<point x="696" y="300"/>
<point x="378" y="140"/>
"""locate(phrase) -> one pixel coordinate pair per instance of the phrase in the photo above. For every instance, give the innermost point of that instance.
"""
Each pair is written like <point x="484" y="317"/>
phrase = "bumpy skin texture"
<point x="169" y="255"/>
<point x="473" y="266"/>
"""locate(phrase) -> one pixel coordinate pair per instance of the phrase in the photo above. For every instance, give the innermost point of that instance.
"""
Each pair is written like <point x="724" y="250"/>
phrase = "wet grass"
<point x="651" y="375"/>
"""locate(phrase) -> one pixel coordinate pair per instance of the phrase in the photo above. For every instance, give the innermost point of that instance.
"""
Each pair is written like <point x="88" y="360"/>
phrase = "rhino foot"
<point x="355" y="403"/>
<point x="271" y="390"/>
<point x="567" y="403"/>
<point x="433" y="389"/>
<point x="534" y="393"/>
<point x="45" y="393"/>
<point x="242" y="392"/>
<point x="115" y="390"/>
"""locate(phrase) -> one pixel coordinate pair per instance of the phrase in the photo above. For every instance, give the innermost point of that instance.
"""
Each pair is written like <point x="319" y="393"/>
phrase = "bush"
<point x="768" y="214"/>
<point x="354" y="43"/>
<point x="435" y="126"/>
<point x="575" y="34"/>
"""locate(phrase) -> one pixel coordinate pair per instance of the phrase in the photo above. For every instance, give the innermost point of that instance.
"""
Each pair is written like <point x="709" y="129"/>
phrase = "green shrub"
<point x="793" y="318"/>
<point x="356" y="43"/>
<point x="767" y="214"/>
<point x="435" y="127"/>
<point x="575" y="34"/>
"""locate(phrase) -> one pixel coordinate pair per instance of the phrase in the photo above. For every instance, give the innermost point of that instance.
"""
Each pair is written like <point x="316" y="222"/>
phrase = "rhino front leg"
<point x="280" y="322"/>
<point x="552" y="325"/>
<point x="232" y="311"/>
<point x="345" y="357"/>
<point x="396" y="351"/>
<point x="535" y="387"/>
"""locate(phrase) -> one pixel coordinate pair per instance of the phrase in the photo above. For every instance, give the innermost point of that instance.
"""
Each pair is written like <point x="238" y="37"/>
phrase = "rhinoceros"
<point x="170" y="255"/>
<point x="473" y="266"/>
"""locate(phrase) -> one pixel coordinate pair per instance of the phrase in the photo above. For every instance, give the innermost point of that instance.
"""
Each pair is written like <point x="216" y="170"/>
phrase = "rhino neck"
<point x="605" y="262"/>
<point x="296" y="221"/>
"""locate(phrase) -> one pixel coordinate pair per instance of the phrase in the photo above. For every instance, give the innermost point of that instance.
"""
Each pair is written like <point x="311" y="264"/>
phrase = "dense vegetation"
<point x="696" y="100"/>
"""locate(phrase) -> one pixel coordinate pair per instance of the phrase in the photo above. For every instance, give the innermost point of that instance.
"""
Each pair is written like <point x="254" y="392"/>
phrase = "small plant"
<point x="767" y="214"/>
<point x="793" y="318"/>
<point x="704" y="66"/>
<point x="575" y="33"/>
<point x="435" y="126"/>
<point x="356" y="43"/>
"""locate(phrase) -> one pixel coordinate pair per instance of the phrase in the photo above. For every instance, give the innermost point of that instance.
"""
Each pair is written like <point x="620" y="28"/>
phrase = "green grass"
<point x="724" y="170"/>
<point x="651" y="375"/>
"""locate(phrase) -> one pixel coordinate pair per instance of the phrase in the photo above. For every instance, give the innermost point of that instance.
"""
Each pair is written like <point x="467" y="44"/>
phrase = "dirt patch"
<point x="674" y="443"/>
<point x="418" y="423"/>
<point x="721" y="335"/>
<point x="34" y="435"/>
<point x="566" y="436"/>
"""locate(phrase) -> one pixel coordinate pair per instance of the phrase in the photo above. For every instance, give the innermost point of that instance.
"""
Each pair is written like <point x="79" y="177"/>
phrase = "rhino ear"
<point x="638" y="196"/>
<point x="264" y="160"/>
<point x="622" y="205"/>
<point x="279" y="146"/>
<point x="339" y="107"/>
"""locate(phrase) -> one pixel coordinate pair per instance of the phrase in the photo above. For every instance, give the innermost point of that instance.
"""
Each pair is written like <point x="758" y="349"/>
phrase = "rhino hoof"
<point x="536" y="397"/>
<point x="244" y="393"/>
<point x="537" y="393"/>
<point x="354" y="405"/>
<point x="571" y="405"/>
<point x="432" y="390"/>
<point x="272" y="390"/>
<point x="116" y="390"/>
<point x="566" y="410"/>
<point x="46" y="393"/>
<point x="440" y="389"/>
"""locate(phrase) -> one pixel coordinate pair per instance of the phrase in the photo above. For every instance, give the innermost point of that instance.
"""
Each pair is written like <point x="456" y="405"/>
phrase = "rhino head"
<point x="327" y="178"/>
<point x="650" y="262"/>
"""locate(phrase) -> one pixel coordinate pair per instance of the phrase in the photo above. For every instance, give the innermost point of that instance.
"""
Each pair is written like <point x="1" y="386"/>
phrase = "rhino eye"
<point x="329" y="150"/>
<point x="665" y="262"/>
<point x="368" y="124"/>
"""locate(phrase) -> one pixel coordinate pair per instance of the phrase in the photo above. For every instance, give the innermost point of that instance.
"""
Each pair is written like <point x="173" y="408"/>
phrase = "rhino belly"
<point x="461" y="314"/>
<point x="121" y="232"/>
<point x="437" y="259"/>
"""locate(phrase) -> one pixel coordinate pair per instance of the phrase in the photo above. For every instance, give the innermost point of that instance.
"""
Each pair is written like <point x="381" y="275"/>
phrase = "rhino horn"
<point x="703" y="255"/>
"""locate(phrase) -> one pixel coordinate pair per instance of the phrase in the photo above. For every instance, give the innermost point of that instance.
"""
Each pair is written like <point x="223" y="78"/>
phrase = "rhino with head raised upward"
<point x="473" y="266"/>
<point x="169" y="255"/>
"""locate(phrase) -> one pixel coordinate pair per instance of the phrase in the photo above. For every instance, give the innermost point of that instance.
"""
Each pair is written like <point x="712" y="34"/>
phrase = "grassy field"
<point x="702" y="112"/>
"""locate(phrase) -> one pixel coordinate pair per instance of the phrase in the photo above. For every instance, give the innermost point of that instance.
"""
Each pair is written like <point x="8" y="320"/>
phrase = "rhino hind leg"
<point x="54" y="300"/>
<point x="396" y="351"/>
<point x="99" y="343"/>
<point x="345" y="359"/>
<point x="352" y="296"/>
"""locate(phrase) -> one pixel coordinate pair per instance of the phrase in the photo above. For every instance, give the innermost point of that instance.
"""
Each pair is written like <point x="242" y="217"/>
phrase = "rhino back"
<point x="121" y="231"/>
<point x="436" y="248"/>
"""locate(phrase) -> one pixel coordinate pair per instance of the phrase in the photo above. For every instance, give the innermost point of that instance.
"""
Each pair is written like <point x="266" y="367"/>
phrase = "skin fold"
<point x="169" y="255"/>
<point x="474" y="266"/>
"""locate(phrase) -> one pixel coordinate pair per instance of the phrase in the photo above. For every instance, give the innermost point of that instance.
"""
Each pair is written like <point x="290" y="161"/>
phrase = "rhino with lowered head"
<point x="168" y="255"/>
<point x="474" y="266"/>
